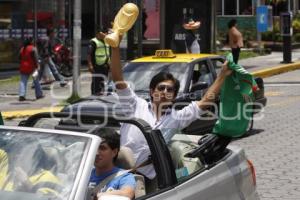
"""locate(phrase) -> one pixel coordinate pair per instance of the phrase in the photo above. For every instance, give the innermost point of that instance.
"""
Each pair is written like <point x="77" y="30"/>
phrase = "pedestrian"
<point x="106" y="178"/>
<point x="158" y="113"/>
<point x="28" y="67"/>
<point x="46" y="52"/>
<point x="98" y="61"/>
<point x="235" y="39"/>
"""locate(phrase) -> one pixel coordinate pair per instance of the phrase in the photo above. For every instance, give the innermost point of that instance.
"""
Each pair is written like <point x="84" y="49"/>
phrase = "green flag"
<point x="236" y="100"/>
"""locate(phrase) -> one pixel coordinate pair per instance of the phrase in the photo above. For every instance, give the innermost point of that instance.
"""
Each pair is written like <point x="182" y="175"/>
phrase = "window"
<point x="235" y="7"/>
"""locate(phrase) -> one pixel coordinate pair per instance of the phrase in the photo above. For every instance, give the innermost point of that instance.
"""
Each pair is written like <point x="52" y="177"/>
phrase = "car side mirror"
<point x="199" y="86"/>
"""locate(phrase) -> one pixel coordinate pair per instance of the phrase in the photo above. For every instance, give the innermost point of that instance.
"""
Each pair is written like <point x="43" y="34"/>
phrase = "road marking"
<point x="27" y="113"/>
<point x="282" y="84"/>
<point x="273" y="94"/>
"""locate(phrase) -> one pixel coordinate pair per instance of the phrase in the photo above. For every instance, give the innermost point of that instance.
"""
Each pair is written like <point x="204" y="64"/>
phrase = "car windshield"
<point x="140" y="74"/>
<point x="38" y="165"/>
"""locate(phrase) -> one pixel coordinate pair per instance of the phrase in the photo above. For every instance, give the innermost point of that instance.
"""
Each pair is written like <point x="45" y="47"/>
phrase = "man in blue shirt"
<point x="106" y="178"/>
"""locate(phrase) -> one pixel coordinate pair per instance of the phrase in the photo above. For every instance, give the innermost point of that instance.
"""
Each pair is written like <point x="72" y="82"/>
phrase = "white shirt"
<point x="169" y="124"/>
<point x="195" y="47"/>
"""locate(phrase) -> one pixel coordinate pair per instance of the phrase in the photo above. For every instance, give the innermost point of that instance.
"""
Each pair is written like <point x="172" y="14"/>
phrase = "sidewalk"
<point x="269" y="65"/>
<point x="263" y="66"/>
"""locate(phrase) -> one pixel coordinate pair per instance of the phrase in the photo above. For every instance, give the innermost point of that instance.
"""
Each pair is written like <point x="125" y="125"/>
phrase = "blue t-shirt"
<point x="126" y="179"/>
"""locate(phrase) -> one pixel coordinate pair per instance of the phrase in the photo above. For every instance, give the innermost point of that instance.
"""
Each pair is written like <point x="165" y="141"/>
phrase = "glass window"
<point x="139" y="75"/>
<point x="151" y="19"/>
<point x="39" y="163"/>
<point x="230" y="7"/>
<point x="245" y="7"/>
<point x="234" y="7"/>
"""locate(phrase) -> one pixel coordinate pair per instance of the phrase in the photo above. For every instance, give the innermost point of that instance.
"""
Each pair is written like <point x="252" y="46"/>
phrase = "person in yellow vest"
<point x="14" y="178"/>
<point x="98" y="61"/>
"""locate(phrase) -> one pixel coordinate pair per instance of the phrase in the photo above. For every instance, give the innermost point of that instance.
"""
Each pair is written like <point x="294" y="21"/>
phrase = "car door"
<point x="205" y="179"/>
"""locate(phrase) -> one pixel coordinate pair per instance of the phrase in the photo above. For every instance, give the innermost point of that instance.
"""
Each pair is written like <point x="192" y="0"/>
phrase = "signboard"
<point x="264" y="18"/>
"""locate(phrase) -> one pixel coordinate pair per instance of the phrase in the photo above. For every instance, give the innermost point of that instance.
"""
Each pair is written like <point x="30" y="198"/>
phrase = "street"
<point x="272" y="146"/>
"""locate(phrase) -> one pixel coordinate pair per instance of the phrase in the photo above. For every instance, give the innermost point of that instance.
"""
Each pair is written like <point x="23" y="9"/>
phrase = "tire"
<point x="66" y="70"/>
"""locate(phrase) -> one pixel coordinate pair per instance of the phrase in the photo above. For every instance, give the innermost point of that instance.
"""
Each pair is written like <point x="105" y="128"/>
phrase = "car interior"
<point x="201" y="75"/>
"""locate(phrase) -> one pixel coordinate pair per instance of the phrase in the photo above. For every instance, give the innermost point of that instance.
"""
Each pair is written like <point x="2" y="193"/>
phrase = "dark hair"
<point x="27" y="41"/>
<point x="231" y="23"/>
<point x="164" y="76"/>
<point x="110" y="137"/>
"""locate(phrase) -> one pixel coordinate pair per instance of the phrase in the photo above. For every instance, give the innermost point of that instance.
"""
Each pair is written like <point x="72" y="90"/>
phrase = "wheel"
<point x="66" y="70"/>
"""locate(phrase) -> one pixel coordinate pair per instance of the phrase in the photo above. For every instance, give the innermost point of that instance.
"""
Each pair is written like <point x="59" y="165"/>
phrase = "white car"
<point x="190" y="167"/>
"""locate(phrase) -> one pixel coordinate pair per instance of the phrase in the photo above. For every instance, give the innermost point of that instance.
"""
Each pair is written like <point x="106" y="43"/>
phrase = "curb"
<point x="27" y="113"/>
<point x="276" y="70"/>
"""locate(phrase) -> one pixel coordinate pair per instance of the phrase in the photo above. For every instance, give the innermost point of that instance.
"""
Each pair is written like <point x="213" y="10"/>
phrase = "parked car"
<point x="196" y="72"/>
<point x="189" y="167"/>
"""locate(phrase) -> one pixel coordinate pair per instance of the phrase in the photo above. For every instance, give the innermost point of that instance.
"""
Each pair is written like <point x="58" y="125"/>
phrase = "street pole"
<point x="35" y="21"/>
<point x="76" y="46"/>
<point x="140" y="29"/>
<point x="259" y="33"/>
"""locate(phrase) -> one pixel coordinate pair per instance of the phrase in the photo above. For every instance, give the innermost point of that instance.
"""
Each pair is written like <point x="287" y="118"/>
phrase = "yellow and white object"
<point x="124" y="20"/>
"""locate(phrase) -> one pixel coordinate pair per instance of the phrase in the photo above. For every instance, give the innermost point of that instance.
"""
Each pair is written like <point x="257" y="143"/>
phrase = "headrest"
<point x="125" y="158"/>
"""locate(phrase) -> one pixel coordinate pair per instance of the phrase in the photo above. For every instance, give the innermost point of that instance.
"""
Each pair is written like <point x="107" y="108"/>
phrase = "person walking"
<point x="235" y="39"/>
<point x="46" y="52"/>
<point x="98" y="62"/>
<point x="28" y="66"/>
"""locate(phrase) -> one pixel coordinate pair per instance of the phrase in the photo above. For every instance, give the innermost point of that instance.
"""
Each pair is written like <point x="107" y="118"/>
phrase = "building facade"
<point x="31" y="18"/>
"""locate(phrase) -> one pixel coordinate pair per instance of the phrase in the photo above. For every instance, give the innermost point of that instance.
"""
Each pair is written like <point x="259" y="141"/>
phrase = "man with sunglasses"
<point x="158" y="112"/>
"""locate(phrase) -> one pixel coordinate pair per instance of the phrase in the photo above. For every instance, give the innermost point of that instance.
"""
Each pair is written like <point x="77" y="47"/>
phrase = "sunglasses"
<point x="163" y="87"/>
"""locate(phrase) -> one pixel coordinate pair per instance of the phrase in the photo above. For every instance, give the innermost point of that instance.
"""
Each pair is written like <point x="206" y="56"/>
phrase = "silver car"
<point x="189" y="167"/>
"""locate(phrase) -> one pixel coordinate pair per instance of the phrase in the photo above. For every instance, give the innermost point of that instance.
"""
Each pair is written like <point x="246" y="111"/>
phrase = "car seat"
<point x="125" y="160"/>
<point x="179" y="146"/>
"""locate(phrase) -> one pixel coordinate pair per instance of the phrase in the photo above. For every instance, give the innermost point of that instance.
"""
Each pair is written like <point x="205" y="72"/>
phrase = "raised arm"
<point x="215" y="88"/>
<point x="116" y="69"/>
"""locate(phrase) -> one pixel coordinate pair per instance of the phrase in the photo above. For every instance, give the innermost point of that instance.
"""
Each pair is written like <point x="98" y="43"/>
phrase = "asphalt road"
<point x="274" y="144"/>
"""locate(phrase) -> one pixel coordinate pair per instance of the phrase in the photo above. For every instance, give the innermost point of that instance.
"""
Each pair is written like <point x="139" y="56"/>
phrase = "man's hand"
<point x="225" y="71"/>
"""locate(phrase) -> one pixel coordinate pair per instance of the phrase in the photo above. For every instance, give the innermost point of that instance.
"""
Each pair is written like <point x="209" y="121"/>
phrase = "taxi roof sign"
<point x="166" y="53"/>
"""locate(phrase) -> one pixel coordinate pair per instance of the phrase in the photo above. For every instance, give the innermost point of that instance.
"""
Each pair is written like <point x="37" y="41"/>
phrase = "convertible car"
<point x="189" y="167"/>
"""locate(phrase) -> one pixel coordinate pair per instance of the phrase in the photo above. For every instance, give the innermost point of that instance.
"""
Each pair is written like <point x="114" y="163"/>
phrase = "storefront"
<point x="20" y="19"/>
<point x="31" y="18"/>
